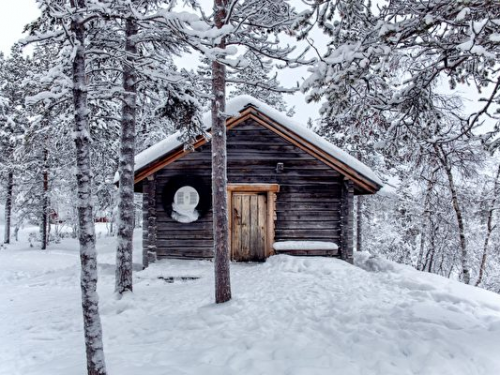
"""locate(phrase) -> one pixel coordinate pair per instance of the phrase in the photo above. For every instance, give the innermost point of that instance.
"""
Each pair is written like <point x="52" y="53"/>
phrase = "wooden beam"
<point x="347" y="222"/>
<point x="271" y="217"/>
<point x="254" y="188"/>
<point x="149" y="252"/>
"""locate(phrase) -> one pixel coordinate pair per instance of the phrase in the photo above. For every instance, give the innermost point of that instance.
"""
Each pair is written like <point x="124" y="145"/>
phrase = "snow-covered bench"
<point x="323" y="248"/>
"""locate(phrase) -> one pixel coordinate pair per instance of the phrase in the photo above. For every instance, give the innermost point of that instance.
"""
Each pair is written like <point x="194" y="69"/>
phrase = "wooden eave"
<point x="250" y="112"/>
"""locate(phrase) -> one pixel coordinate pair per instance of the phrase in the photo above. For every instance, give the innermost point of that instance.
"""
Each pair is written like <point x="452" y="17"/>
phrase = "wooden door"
<point x="248" y="229"/>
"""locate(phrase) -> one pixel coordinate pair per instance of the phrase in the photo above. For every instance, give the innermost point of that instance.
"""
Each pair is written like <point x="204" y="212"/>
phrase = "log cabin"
<point x="289" y="190"/>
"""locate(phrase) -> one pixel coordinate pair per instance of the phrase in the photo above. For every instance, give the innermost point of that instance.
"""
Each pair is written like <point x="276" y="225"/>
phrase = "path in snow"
<point x="288" y="316"/>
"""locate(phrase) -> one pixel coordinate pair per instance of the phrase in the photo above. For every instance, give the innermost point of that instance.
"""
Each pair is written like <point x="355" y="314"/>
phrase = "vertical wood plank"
<point x="262" y="227"/>
<point x="236" y="233"/>
<point x="245" y="226"/>
<point x="271" y="213"/>
<point x="254" y="228"/>
<point x="230" y="221"/>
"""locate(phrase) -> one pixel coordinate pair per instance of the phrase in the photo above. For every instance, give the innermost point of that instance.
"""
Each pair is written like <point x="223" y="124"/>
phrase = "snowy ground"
<point x="297" y="316"/>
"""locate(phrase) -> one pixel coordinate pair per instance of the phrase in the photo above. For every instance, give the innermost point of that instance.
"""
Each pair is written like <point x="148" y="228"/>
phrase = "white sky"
<point x="14" y="15"/>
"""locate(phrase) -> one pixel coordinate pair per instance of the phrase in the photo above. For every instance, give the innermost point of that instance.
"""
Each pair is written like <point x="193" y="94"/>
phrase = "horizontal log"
<point x="253" y="187"/>
<point x="302" y="172"/>
<point x="167" y="235"/>
<point x="325" y="195"/>
<point x="205" y="220"/>
<point x="191" y="243"/>
<point x="181" y="251"/>
<point x="293" y="199"/>
<point x="307" y="234"/>
<point x="166" y="231"/>
<point x="248" y="125"/>
<point x="195" y="226"/>
<point x="310" y="215"/>
<point x="316" y="206"/>
<point x="248" y="133"/>
<point x="311" y="188"/>
<point x="322" y="224"/>
<point x="184" y="254"/>
<point x="257" y="145"/>
<point x="201" y="165"/>
<point x="275" y="155"/>
<point x="195" y="257"/>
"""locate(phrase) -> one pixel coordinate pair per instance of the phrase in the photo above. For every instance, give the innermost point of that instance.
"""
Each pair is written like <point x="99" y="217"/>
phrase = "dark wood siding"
<point x="308" y="204"/>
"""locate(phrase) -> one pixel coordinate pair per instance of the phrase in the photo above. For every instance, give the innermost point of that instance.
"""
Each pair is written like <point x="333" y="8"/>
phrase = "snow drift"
<point x="290" y="315"/>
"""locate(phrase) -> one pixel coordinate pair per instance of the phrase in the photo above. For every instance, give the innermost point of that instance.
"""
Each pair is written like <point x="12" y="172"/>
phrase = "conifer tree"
<point x="255" y="80"/>
<point x="253" y="25"/>
<point x="66" y="24"/>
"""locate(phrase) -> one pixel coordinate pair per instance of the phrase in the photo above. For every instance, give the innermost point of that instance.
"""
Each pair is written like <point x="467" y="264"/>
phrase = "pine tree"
<point x="251" y="25"/>
<point x="147" y="50"/>
<point x="12" y="120"/>
<point x="219" y="165"/>
<point x="255" y="80"/>
<point x="424" y="41"/>
<point x="126" y="209"/>
<point x="66" y="24"/>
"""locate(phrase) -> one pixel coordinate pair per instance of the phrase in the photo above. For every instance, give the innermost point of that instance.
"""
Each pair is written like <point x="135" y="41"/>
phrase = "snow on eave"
<point x="233" y="108"/>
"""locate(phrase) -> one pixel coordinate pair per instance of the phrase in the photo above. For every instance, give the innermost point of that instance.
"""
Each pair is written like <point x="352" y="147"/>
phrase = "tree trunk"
<point x="461" y="228"/>
<point x="149" y="253"/>
<point x="8" y="206"/>
<point x="359" y="223"/>
<point x="219" y="169"/>
<point x="347" y="222"/>
<point x="489" y="228"/>
<point x="425" y="219"/>
<point x="432" y="252"/>
<point x="126" y="204"/>
<point x="88" y="257"/>
<point x="458" y="213"/>
<point x="359" y="216"/>
<point x="45" y="201"/>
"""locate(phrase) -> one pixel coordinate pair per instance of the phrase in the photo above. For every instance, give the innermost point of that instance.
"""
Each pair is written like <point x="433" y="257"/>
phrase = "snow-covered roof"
<point x="233" y="108"/>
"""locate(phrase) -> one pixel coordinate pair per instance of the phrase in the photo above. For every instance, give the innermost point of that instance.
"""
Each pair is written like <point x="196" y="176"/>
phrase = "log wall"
<point x="308" y="206"/>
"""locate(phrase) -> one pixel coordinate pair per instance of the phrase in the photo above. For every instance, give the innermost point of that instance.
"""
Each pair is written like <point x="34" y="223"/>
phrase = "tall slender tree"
<point x="86" y="236"/>
<point x="66" y="24"/>
<point x="253" y="25"/>
<point x="126" y="209"/>
<point x="12" y="121"/>
<point x="219" y="164"/>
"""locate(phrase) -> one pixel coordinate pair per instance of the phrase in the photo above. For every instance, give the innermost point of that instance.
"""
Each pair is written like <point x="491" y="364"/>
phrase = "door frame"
<point x="270" y="190"/>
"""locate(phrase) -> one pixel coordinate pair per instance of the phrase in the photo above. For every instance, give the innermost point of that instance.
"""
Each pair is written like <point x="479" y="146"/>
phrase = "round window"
<point x="184" y="205"/>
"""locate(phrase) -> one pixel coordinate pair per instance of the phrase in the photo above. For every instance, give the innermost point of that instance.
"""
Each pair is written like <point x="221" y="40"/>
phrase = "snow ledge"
<point x="305" y="245"/>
